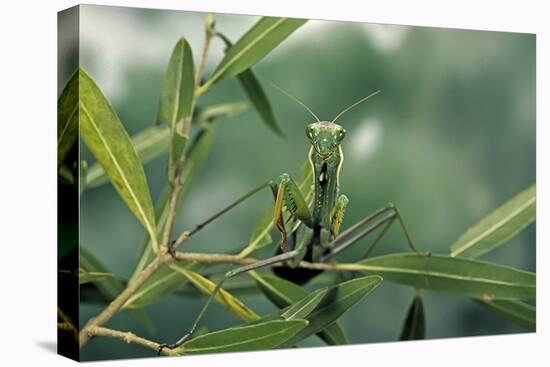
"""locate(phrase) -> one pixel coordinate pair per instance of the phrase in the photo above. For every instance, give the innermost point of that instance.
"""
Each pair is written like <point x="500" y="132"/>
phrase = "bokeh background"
<point x="450" y="138"/>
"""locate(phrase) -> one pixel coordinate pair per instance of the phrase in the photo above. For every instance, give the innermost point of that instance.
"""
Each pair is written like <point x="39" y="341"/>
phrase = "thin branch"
<point x="130" y="338"/>
<point x="213" y="258"/>
<point x="121" y="299"/>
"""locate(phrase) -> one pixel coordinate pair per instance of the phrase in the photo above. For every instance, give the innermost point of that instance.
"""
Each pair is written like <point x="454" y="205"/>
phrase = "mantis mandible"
<point x="315" y="227"/>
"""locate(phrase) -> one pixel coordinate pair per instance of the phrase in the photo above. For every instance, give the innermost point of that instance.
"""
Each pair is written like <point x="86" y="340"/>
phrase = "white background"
<point x="28" y="182"/>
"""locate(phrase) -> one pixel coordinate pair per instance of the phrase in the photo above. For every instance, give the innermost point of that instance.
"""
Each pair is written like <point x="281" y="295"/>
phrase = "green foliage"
<point x="261" y="39"/>
<point x="414" y="327"/>
<point x="106" y="137"/>
<point x="176" y="99"/>
<point x="206" y="286"/>
<point x="498" y="227"/>
<point x="161" y="284"/>
<point x="283" y="293"/>
<point x="67" y="118"/>
<point x="255" y="93"/>
<point x="330" y="304"/>
<point x="442" y="273"/>
<point x="261" y="336"/>
<point x="520" y="312"/>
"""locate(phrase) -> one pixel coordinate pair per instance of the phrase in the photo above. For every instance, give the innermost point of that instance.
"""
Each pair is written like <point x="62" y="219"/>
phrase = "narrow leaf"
<point x="335" y="301"/>
<point x="177" y="96"/>
<point x="284" y="293"/>
<point x="110" y="286"/>
<point x="414" y="327"/>
<point x="160" y="285"/>
<point x="517" y="311"/>
<point x="255" y="93"/>
<point x="206" y="286"/>
<point x="498" y="227"/>
<point x="263" y="37"/>
<point x="472" y="278"/>
<point x="262" y="336"/>
<point x="67" y="118"/>
<point x="91" y="276"/>
<point x="106" y="137"/>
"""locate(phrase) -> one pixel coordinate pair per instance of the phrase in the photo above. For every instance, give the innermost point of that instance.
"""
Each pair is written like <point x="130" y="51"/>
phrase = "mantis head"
<point x="325" y="137"/>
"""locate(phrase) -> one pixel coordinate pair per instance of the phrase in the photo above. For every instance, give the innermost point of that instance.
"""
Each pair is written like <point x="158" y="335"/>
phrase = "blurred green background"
<point x="451" y="137"/>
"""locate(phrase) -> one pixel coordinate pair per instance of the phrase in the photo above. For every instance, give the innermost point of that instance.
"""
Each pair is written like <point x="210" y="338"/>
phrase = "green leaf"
<point x="111" y="286"/>
<point x="335" y="301"/>
<point x="284" y="293"/>
<point x="414" y="327"/>
<point x="517" y="311"/>
<point x="255" y="93"/>
<point x="498" y="227"/>
<point x="206" y="286"/>
<point x="151" y="143"/>
<point x="67" y="118"/>
<point x="261" y="336"/>
<point x="177" y="97"/>
<point x="263" y="37"/>
<point x="106" y="137"/>
<point x="443" y="273"/>
<point x="160" y="285"/>
<point x="91" y="276"/>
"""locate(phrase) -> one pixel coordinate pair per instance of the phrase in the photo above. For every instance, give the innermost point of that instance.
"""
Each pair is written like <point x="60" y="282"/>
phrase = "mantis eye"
<point x="310" y="130"/>
<point x="341" y="133"/>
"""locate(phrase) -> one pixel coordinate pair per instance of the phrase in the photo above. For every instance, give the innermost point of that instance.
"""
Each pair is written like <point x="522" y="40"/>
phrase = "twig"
<point x="119" y="301"/>
<point x="213" y="258"/>
<point x="131" y="338"/>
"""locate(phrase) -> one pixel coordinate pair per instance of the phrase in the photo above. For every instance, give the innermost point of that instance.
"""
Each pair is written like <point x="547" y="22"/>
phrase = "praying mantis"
<point x="311" y="229"/>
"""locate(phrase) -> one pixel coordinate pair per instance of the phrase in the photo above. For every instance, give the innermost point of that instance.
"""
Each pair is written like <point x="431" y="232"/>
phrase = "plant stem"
<point x="214" y="258"/>
<point x="119" y="301"/>
<point x="202" y="61"/>
<point x="162" y="255"/>
<point x="130" y="338"/>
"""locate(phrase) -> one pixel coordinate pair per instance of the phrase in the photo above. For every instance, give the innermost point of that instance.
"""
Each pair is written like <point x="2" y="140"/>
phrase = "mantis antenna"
<point x="355" y="104"/>
<point x="296" y="100"/>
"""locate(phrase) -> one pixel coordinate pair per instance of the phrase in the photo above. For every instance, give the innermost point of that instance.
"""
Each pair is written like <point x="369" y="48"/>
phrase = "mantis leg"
<point x="337" y="215"/>
<point x="257" y="265"/>
<point x="289" y="195"/>
<point x="243" y="198"/>
<point x="383" y="217"/>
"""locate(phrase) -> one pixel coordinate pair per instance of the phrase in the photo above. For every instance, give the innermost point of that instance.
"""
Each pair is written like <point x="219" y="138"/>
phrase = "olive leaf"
<point x="255" y="44"/>
<point x="284" y="293"/>
<point x="498" y="227"/>
<point x="443" y="273"/>
<point x="177" y="97"/>
<point x="106" y="137"/>
<point x="67" y="118"/>
<point x="414" y="327"/>
<point x="255" y="93"/>
<point x="261" y="336"/>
